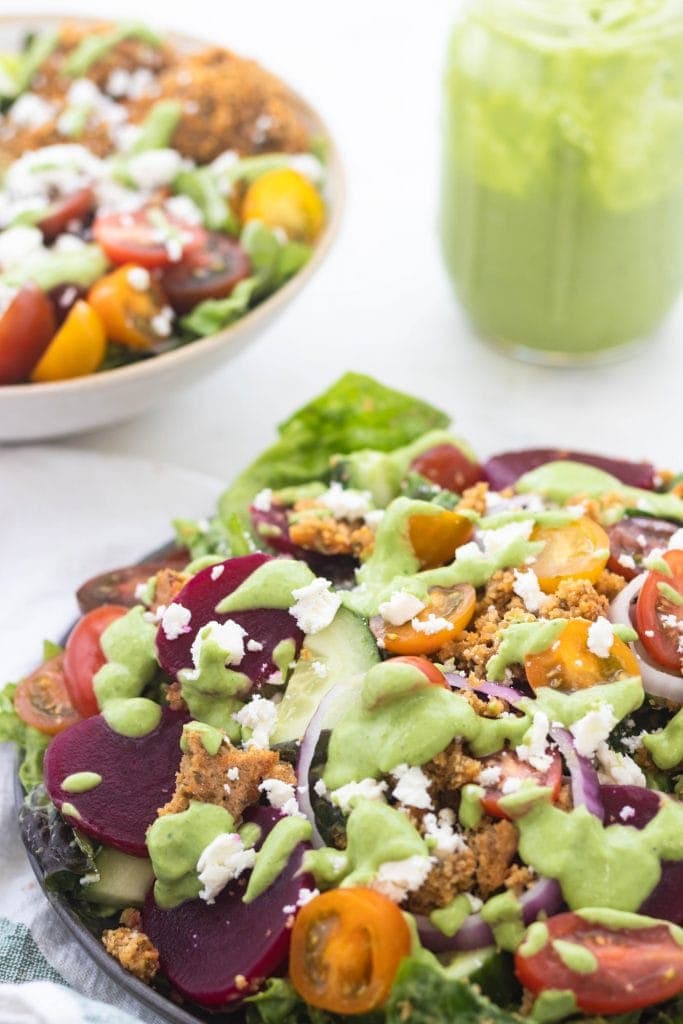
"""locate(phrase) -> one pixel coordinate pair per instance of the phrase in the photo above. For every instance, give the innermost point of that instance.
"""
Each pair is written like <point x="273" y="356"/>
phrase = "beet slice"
<point x="138" y="776"/>
<point x="268" y="626"/>
<point x="666" y="899"/>
<point x="204" y="949"/>
<point x="505" y="469"/>
<point x="273" y="528"/>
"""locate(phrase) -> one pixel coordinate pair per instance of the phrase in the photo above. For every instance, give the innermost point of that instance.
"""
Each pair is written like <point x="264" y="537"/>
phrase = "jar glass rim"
<point x="572" y="21"/>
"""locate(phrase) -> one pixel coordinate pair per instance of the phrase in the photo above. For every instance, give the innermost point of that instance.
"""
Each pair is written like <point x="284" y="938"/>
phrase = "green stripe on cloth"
<point x="20" y="958"/>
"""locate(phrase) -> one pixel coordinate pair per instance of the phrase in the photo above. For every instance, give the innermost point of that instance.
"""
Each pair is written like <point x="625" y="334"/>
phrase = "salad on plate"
<point x="395" y="736"/>
<point x="150" y="195"/>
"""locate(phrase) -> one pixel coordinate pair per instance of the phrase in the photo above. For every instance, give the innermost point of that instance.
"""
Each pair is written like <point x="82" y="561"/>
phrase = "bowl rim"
<point x="260" y="314"/>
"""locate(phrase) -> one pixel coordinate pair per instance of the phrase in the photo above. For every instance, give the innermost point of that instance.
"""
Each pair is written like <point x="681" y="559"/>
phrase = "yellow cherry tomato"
<point x="77" y="348"/>
<point x="569" y="665"/>
<point x="128" y="300"/>
<point x="578" y="551"/>
<point x="434" y="538"/>
<point x="447" y="613"/>
<point x="283" y="198"/>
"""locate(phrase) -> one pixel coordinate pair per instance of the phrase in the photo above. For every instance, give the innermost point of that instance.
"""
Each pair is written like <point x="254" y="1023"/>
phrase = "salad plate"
<point x="394" y="736"/>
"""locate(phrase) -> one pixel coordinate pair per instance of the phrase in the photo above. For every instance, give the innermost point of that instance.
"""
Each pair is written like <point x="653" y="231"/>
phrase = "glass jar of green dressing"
<point x="562" y="194"/>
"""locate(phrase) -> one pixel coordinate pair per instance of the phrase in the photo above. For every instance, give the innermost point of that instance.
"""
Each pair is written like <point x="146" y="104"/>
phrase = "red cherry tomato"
<point x="73" y="208"/>
<point x="83" y="656"/>
<point x="149" y="237"/>
<point x="448" y="467"/>
<point x="659" y="618"/>
<point x="632" y="539"/>
<point x="209" y="272"/>
<point x="26" y="329"/>
<point x="634" y="966"/>
<point x="511" y="767"/>
<point x="426" y="667"/>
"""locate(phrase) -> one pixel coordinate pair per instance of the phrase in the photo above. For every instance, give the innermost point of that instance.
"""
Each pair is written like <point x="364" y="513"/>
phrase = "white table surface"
<point x="381" y="303"/>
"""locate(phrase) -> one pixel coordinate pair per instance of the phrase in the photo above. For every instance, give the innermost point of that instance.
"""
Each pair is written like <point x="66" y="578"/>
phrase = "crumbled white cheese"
<point x="259" y="715"/>
<point x="374" y="517"/>
<point x="306" y="895"/>
<point x="490" y="776"/>
<point x="90" y="878"/>
<point x="316" y="605"/>
<point x="527" y="587"/>
<point x="224" y="859"/>
<point x="154" y="168"/>
<point x="431" y="625"/>
<point x="412" y="787"/>
<point x="511" y="785"/>
<point x="68" y="243"/>
<point x="618" y="769"/>
<point x="175" y="621"/>
<point x="131" y="85"/>
<point x="60" y="169"/>
<point x="475" y="903"/>
<point x="184" y="209"/>
<point x="320" y="789"/>
<point x="495" y="541"/>
<point x="139" y="279"/>
<point x="676" y="540"/>
<point x="627" y="561"/>
<point x="367" y="789"/>
<point x="31" y="111"/>
<point x="534" y="749"/>
<point x="17" y="243"/>
<point x="161" y="323"/>
<point x="400" y="608"/>
<point x="263" y="500"/>
<point x="217" y="571"/>
<point x="233" y="774"/>
<point x="254" y="645"/>
<point x="600" y="637"/>
<point x="308" y="165"/>
<point x="346" y="504"/>
<point x="440" y="830"/>
<point x="633" y="743"/>
<point x="281" y="796"/>
<point x="593" y="729"/>
<point x="627" y="812"/>
<point x="320" y="669"/>
<point x="396" y="878"/>
<point x="229" y="636"/>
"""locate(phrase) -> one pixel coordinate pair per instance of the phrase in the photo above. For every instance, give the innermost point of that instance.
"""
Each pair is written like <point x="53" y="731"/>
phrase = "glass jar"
<point x="562" y="190"/>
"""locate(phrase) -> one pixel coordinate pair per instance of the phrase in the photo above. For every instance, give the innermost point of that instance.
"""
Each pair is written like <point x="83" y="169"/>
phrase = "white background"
<point x="382" y="303"/>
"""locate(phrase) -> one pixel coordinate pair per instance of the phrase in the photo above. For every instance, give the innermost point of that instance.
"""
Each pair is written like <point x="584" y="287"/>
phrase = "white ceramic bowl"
<point x="34" y="411"/>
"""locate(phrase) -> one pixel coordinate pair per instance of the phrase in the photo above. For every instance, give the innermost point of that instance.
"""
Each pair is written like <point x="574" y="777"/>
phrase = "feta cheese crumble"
<point x="618" y="769"/>
<point x="396" y="878"/>
<point x="440" y="830"/>
<point x="346" y="504"/>
<point x="490" y="776"/>
<point x="138" y="278"/>
<point x="281" y="795"/>
<point x="367" y="789"/>
<point x="593" y="729"/>
<point x="527" y="587"/>
<point x="259" y="715"/>
<point x="229" y="636"/>
<point x="495" y="541"/>
<point x="534" y="749"/>
<point x="600" y="637"/>
<point x="175" y="621"/>
<point x="431" y="625"/>
<point x="627" y="812"/>
<point x="217" y="571"/>
<point x="412" y="787"/>
<point x="263" y="500"/>
<point x="315" y="607"/>
<point x="400" y="608"/>
<point x="224" y="859"/>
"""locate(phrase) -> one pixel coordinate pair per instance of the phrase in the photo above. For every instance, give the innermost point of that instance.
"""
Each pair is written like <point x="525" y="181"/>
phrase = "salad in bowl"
<point x="394" y="736"/>
<point x="151" y="194"/>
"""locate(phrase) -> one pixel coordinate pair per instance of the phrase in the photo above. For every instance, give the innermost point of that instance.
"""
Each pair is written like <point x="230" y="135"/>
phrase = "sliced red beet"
<point x="119" y="585"/>
<point x="138" y="777"/>
<point x="268" y="626"/>
<point x="205" y="948"/>
<point x="273" y="528"/>
<point x="666" y="899"/>
<point x="505" y="469"/>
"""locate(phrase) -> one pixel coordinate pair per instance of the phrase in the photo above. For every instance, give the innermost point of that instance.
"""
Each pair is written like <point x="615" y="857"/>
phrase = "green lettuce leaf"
<point x="30" y="741"/>
<point x="356" y="412"/>
<point x="423" y="994"/>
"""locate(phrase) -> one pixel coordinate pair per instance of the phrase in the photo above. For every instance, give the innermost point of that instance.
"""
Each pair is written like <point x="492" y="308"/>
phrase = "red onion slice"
<point x="324" y="716"/>
<point x="585" y="785"/>
<point x="507" y="693"/>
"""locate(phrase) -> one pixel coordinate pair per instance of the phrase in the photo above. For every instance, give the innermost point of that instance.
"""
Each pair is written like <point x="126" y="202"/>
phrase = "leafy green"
<point x="356" y="412"/>
<point x="64" y="855"/>
<point x="279" y="1003"/>
<point x="272" y="262"/>
<point x="424" y="995"/>
<point x="30" y="741"/>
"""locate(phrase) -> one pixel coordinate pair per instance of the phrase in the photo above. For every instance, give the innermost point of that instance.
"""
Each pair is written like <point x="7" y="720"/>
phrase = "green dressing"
<point x="623" y="696"/>
<point x="504" y="915"/>
<point x="284" y="654"/>
<point x="272" y="858"/>
<point x="249" y="833"/>
<point x="553" y="1005"/>
<point x="95" y="47"/>
<point x="470" y="811"/>
<point x="176" y="842"/>
<point x="211" y="738"/>
<point x="71" y="811"/>
<point x="132" y="716"/>
<point x="269" y="586"/>
<point x="520" y="639"/>
<point x="667" y="591"/>
<point x="81" y="782"/>
<point x="129" y="645"/>
<point x="666" y="747"/>
<point x="618" y="919"/>
<point x="449" y="919"/>
<point x="212" y="691"/>
<point x="575" y="957"/>
<point x="535" y="940"/>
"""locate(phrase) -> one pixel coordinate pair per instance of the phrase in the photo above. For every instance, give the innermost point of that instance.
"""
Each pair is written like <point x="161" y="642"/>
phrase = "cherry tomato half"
<point x="77" y="348"/>
<point x="632" y="539"/>
<point x="127" y="310"/>
<point x="434" y="538"/>
<point x="149" y="237"/>
<point x="83" y="656"/>
<point x="433" y="674"/>
<point x="447" y="467"/>
<point x="119" y="585"/>
<point x="42" y="699"/>
<point x="569" y="665"/>
<point x="283" y="198"/>
<point x="26" y="328"/>
<point x="659" y="619"/>
<point x="210" y="272"/>
<point x="511" y="767"/>
<point x="66" y="211"/>
<point x="346" y="948"/>
<point x="634" y="966"/>
<point x="455" y="605"/>
<point x="577" y="551"/>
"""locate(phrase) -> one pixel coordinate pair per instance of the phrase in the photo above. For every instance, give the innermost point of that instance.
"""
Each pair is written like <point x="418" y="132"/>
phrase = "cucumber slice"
<point x="341" y="653"/>
<point x="124" y="880"/>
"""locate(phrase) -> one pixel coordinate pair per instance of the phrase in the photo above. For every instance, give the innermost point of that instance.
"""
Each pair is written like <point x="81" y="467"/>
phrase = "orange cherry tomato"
<point x="346" y="948"/>
<point x="511" y="767"/>
<point x="42" y="699"/>
<point x="659" y="619"/>
<point x="433" y="674"/>
<point x="434" y="538"/>
<point x="569" y="665"/>
<point x="84" y="657"/>
<point x="285" y="199"/>
<point x="577" y="551"/>
<point x="128" y="310"/>
<point x="77" y="348"/>
<point x="454" y="604"/>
